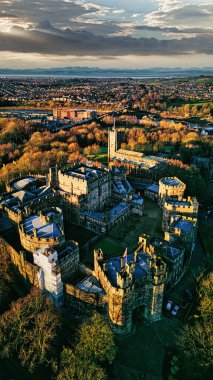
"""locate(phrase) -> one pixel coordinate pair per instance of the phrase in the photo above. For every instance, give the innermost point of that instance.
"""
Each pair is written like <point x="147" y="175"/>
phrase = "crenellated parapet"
<point x="170" y="187"/>
<point x="128" y="288"/>
<point x="42" y="229"/>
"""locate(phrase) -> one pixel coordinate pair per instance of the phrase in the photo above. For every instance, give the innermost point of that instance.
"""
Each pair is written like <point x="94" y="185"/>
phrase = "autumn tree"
<point x="195" y="340"/>
<point x="206" y="297"/>
<point x="74" y="367"/>
<point x="94" y="349"/>
<point x="29" y="330"/>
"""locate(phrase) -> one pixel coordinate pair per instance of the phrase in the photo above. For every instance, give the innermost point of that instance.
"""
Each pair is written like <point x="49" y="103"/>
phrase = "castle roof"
<point x="154" y="188"/>
<point x="112" y="213"/>
<point x="141" y="266"/>
<point x="85" y="172"/>
<point x="172" y="182"/>
<point x="43" y="228"/>
<point x="23" y="195"/>
<point x="183" y="225"/>
<point x="22" y="183"/>
<point x="91" y="285"/>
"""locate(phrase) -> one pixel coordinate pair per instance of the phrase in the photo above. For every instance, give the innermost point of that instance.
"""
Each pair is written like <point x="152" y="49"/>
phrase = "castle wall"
<point x="69" y="264"/>
<point x="169" y="209"/>
<point x="28" y="270"/>
<point x="96" y="192"/>
<point x="33" y="243"/>
<point x="169" y="190"/>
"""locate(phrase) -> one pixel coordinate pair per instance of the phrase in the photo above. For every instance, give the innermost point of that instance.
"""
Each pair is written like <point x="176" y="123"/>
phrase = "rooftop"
<point x="154" y="188"/>
<point x="91" y="285"/>
<point x="85" y="173"/>
<point x="111" y="214"/>
<point x="22" y="183"/>
<point x="183" y="225"/>
<point x="171" y="182"/>
<point x="23" y="195"/>
<point x="44" y="229"/>
<point x="165" y="248"/>
<point x="141" y="266"/>
<point x="122" y="186"/>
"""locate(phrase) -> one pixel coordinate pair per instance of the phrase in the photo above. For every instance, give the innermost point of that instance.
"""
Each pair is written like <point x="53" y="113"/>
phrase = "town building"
<point x="74" y="114"/>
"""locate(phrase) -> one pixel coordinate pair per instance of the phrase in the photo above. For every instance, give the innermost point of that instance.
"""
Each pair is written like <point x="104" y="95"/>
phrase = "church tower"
<point x="114" y="142"/>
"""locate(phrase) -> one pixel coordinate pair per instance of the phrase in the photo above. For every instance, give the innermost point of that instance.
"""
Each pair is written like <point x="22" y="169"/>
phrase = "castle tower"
<point x="114" y="142"/>
<point x="53" y="177"/>
<point x="155" y="290"/>
<point x="49" y="275"/>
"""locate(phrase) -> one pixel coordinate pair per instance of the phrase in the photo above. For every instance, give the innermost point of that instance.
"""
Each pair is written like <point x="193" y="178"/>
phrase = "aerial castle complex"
<point x="36" y="210"/>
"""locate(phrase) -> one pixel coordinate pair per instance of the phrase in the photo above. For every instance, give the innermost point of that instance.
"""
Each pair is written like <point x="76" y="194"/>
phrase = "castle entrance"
<point x="138" y="313"/>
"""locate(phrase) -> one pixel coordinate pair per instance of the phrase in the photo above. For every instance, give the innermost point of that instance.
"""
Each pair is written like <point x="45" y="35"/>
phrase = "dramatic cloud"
<point x="176" y="13"/>
<point x="106" y="29"/>
<point x="49" y="40"/>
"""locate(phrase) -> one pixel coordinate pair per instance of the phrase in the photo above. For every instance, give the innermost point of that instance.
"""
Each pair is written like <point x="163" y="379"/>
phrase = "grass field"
<point x="127" y="233"/>
<point x="101" y="156"/>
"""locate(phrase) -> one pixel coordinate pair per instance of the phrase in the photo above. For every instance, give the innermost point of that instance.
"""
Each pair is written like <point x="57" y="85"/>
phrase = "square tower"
<point x="114" y="143"/>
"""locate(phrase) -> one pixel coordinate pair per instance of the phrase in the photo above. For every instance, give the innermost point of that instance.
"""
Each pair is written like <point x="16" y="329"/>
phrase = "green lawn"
<point x="101" y="156"/>
<point x="206" y="233"/>
<point x="127" y="233"/>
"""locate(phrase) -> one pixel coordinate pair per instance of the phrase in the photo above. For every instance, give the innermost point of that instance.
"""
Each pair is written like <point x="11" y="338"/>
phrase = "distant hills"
<point x="93" y="72"/>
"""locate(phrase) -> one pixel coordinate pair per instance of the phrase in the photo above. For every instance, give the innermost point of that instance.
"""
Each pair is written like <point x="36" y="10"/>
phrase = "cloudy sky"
<point x="106" y="33"/>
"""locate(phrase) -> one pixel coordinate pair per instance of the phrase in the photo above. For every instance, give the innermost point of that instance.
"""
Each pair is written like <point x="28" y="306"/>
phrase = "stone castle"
<point x="98" y="199"/>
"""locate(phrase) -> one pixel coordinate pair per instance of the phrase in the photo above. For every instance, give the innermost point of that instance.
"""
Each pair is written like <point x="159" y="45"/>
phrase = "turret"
<point x="125" y="278"/>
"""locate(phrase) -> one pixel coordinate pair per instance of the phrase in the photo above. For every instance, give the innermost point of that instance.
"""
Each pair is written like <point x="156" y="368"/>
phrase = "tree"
<point x="195" y="341"/>
<point x="95" y="347"/>
<point x="74" y="367"/>
<point x="196" y="344"/>
<point x="96" y="340"/>
<point x="206" y="296"/>
<point x="29" y="330"/>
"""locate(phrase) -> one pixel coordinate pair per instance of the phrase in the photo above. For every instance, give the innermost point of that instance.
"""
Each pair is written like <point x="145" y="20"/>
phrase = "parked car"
<point x="175" y="310"/>
<point x="169" y="305"/>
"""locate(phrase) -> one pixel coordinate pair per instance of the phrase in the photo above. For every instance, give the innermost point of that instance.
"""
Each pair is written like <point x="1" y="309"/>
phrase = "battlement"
<point x="171" y="182"/>
<point x="170" y="187"/>
<point x="185" y="205"/>
<point x="44" y="228"/>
